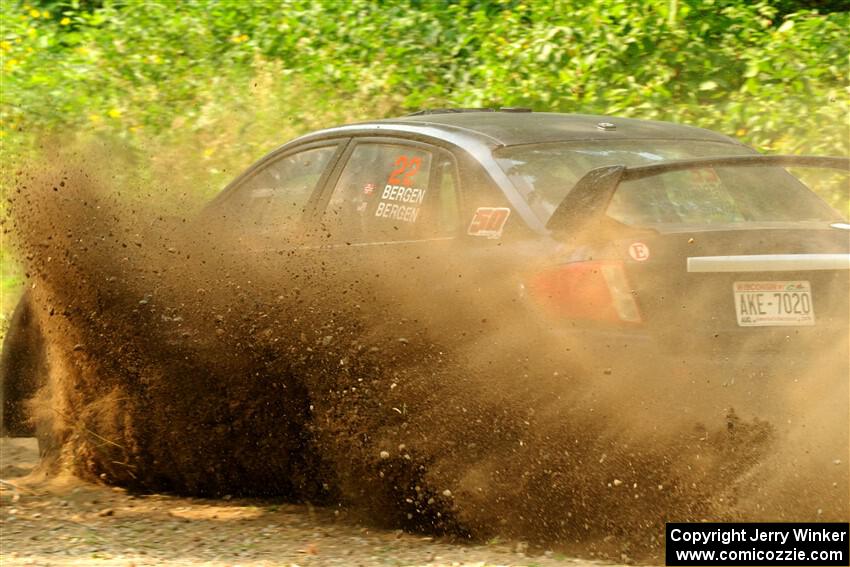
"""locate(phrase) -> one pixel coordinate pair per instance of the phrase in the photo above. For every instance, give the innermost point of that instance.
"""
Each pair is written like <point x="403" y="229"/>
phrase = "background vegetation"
<point x="200" y="88"/>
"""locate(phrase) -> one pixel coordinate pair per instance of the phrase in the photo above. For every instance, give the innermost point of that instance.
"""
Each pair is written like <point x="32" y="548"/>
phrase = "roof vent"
<point x="427" y="111"/>
<point x="606" y="126"/>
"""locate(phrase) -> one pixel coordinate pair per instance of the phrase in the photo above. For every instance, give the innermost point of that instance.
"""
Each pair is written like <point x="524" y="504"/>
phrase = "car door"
<point x="390" y="220"/>
<point x="391" y="192"/>
<point x="420" y="224"/>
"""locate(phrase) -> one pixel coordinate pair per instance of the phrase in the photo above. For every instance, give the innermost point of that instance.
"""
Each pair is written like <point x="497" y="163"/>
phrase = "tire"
<point x="23" y="369"/>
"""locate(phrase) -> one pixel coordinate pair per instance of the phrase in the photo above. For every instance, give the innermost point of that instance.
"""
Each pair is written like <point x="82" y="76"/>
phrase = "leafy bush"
<point x="224" y="80"/>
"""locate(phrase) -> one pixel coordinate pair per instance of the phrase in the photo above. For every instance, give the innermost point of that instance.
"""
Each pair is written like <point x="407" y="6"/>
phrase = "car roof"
<point x="507" y="128"/>
<point x="473" y="129"/>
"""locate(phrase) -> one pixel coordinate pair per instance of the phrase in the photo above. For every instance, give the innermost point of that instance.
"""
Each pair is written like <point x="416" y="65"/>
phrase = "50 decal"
<point x="405" y="169"/>
<point x="489" y="222"/>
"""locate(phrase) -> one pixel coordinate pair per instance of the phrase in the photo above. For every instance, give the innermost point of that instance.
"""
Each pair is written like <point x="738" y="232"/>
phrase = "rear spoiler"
<point x="589" y="199"/>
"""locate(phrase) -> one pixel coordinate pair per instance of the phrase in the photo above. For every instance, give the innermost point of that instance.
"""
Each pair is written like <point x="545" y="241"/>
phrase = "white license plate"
<point x="762" y="304"/>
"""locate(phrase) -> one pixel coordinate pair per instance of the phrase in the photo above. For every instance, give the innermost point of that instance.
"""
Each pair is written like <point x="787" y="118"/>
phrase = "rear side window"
<point x="393" y="192"/>
<point x="273" y="199"/>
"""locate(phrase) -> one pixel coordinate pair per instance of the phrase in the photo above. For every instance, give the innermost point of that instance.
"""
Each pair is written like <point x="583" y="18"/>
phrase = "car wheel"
<point x="23" y="370"/>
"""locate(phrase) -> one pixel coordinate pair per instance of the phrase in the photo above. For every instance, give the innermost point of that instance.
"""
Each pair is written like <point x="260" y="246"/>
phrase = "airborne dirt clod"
<point x="187" y="357"/>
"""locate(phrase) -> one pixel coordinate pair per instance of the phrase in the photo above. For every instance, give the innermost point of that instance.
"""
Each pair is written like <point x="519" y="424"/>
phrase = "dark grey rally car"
<point x="667" y="234"/>
<point x="673" y="237"/>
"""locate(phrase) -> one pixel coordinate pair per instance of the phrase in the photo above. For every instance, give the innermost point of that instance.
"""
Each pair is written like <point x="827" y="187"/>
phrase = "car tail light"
<point x="596" y="290"/>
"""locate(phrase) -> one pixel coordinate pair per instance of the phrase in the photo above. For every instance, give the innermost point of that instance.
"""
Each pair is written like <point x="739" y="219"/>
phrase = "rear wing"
<point x="589" y="199"/>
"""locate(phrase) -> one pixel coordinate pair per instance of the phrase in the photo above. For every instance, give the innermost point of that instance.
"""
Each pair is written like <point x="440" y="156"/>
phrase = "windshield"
<point x="544" y="174"/>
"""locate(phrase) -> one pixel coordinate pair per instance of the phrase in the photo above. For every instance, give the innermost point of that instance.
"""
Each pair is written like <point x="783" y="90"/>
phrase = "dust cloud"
<point x="184" y="355"/>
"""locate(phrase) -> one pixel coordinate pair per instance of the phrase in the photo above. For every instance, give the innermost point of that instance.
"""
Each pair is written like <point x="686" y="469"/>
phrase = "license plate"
<point x="763" y="304"/>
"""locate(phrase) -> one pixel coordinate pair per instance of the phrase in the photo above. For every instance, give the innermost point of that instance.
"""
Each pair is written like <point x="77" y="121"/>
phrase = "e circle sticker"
<point x="639" y="252"/>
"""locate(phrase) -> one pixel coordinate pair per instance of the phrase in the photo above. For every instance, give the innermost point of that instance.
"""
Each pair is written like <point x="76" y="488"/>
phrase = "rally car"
<point x="670" y="236"/>
<point x="662" y="233"/>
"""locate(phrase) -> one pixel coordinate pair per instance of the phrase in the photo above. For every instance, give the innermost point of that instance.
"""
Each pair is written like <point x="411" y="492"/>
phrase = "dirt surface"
<point x="64" y="521"/>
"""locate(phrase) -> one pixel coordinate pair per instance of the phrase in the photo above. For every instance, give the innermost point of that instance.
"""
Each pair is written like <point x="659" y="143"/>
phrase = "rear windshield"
<point x="544" y="174"/>
<point x="718" y="195"/>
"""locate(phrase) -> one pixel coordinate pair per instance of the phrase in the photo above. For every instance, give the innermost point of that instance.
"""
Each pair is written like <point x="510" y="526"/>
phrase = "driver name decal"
<point x="389" y="208"/>
<point x="399" y="199"/>
<point x="403" y="194"/>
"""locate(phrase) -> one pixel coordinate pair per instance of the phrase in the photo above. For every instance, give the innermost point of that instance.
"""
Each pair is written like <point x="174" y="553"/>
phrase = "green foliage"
<point x="822" y="6"/>
<point x="224" y="79"/>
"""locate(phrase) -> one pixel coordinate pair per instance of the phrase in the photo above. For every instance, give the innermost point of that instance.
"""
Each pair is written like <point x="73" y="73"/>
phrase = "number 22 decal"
<point x="408" y="166"/>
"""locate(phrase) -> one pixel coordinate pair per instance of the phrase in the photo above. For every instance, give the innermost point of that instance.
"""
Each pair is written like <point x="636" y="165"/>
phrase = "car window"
<point x="717" y="195"/>
<point x="544" y="174"/>
<point x="273" y="199"/>
<point x="393" y="192"/>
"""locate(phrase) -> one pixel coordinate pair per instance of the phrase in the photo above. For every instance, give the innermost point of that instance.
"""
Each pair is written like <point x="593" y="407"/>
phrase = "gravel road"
<point x="63" y="521"/>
